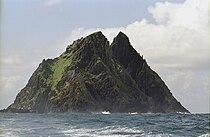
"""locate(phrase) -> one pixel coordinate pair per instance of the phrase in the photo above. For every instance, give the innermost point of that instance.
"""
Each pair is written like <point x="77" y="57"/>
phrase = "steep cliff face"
<point x="147" y="80"/>
<point x="91" y="76"/>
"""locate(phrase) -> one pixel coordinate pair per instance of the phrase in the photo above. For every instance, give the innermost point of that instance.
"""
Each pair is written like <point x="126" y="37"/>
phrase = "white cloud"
<point x="193" y="14"/>
<point x="8" y="87"/>
<point x="52" y="2"/>
<point x="177" y="41"/>
<point x="191" y="88"/>
<point x="15" y="71"/>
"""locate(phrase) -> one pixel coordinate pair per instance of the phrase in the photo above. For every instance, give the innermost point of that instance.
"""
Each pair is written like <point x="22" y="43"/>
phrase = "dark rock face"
<point x="147" y="80"/>
<point x="92" y="76"/>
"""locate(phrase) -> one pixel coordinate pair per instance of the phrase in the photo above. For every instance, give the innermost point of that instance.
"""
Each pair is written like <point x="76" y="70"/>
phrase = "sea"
<point x="104" y="124"/>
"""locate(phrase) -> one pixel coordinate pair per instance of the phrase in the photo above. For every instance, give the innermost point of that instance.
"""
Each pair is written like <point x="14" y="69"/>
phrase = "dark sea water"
<point x="104" y="125"/>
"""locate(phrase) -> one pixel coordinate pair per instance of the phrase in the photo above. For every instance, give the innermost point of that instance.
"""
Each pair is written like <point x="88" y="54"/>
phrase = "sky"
<point x="172" y="35"/>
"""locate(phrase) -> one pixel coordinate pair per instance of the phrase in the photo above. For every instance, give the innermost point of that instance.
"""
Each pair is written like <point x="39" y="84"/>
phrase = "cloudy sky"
<point x="173" y="36"/>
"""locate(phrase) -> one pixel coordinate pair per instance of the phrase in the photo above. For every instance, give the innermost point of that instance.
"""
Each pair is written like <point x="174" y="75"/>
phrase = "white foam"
<point x="205" y="135"/>
<point x="133" y="113"/>
<point x="7" y="134"/>
<point x="185" y="113"/>
<point x="106" y="112"/>
<point x="150" y="134"/>
<point x="101" y="112"/>
<point x="105" y="131"/>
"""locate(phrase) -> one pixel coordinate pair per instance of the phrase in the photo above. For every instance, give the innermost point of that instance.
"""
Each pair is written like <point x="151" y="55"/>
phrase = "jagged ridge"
<point x="92" y="75"/>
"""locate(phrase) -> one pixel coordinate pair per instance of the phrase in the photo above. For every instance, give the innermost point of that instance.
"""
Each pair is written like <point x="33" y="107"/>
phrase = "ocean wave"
<point x="7" y="134"/>
<point x="105" y="131"/>
<point x="116" y="124"/>
<point x="113" y="131"/>
<point x="205" y="135"/>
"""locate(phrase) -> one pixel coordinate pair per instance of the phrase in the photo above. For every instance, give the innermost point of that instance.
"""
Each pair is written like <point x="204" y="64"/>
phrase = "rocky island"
<point x="93" y="76"/>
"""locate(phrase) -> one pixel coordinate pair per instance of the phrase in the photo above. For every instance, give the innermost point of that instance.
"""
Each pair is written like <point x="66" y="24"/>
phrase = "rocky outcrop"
<point x="92" y="75"/>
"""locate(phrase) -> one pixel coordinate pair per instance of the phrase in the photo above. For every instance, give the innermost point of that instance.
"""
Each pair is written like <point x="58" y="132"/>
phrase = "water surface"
<point x="104" y="125"/>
